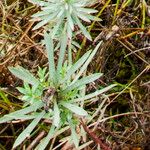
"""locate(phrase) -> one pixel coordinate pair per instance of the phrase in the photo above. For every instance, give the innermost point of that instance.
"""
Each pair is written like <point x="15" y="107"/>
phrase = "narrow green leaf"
<point x="74" y="108"/>
<point x="61" y="53"/>
<point x="45" y="20"/>
<point x="52" y="6"/>
<point x="60" y="13"/>
<point x="87" y="10"/>
<point x="80" y="3"/>
<point x="77" y="65"/>
<point x="94" y="18"/>
<point x="69" y="31"/>
<point x="56" y="27"/>
<point x="56" y="118"/>
<point x="22" y="90"/>
<point x="50" y="54"/>
<point x="83" y="29"/>
<point x="70" y="21"/>
<point x="74" y="134"/>
<point x="24" y="75"/>
<point x="24" y="111"/>
<point x="94" y="94"/>
<point x="42" y="13"/>
<point x="83" y="68"/>
<point x="28" y="130"/>
<point x="83" y="17"/>
<point x="76" y="44"/>
<point x="10" y="118"/>
<point x="38" y="2"/>
<point x="21" y="117"/>
<point x="83" y="81"/>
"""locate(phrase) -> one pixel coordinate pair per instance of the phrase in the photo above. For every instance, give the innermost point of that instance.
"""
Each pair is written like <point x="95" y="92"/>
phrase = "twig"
<point x="96" y="139"/>
<point x="119" y="115"/>
<point x="36" y="140"/>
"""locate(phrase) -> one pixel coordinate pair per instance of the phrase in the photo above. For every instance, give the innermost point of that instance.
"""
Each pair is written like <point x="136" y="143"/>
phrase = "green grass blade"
<point x="4" y="97"/>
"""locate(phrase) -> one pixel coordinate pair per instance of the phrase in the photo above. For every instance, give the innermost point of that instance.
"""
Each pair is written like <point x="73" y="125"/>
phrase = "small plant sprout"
<point x="63" y="15"/>
<point x="56" y="97"/>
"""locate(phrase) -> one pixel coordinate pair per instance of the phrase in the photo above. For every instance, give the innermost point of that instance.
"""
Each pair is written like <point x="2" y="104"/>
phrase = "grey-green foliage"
<point x="66" y="100"/>
<point x="64" y="15"/>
